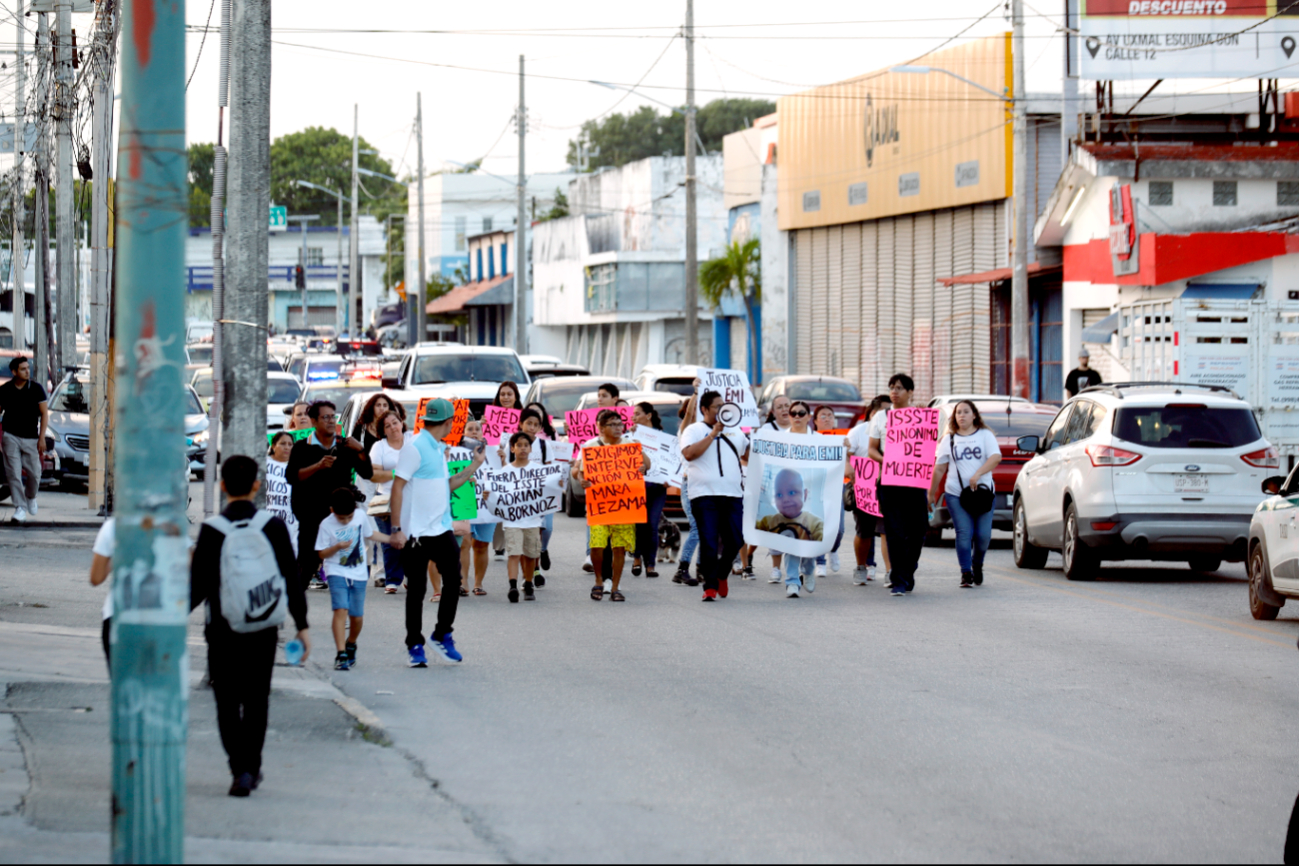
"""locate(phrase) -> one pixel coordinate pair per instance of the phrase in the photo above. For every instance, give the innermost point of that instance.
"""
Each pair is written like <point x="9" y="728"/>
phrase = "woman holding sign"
<point x="865" y="514"/>
<point x="970" y="452"/>
<point x="898" y="442"/>
<point x="656" y="496"/>
<point x="507" y="396"/>
<point x="620" y="536"/>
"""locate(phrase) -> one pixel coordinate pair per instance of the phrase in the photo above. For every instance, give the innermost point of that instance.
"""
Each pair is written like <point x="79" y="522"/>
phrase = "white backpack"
<point x="254" y="595"/>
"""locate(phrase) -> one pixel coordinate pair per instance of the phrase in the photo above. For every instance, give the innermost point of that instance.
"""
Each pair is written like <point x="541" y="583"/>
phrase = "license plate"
<point x="1190" y="484"/>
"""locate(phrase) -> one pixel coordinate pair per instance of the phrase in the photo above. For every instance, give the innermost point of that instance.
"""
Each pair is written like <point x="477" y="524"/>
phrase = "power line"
<point x="200" y="45"/>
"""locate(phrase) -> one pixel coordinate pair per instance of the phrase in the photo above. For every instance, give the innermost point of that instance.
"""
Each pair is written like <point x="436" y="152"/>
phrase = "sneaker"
<point x="20" y="516"/>
<point x="710" y="595"/>
<point x="513" y="595"/>
<point x="588" y="567"/>
<point x="967" y="579"/>
<point x="539" y="580"/>
<point x="608" y="587"/>
<point x="446" y="648"/>
<point x="897" y="591"/>
<point x="737" y="567"/>
<point x="545" y="561"/>
<point x="748" y="573"/>
<point x="341" y="662"/>
<point x="33" y="509"/>
<point x="317" y="583"/>
<point x="500" y="555"/>
<point x="791" y="591"/>
<point x="691" y="580"/>
<point x="417" y="657"/>
<point x="350" y="649"/>
<point x="723" y="588"/>
<point x="390" y="589"/>
<point x="888" y="579"/>
<point x="528" y="594"/>
<point x="776" y="576"/>
<point x="978" y="572"/>
<point x="870" y="572"/>
<point x="820" y="571"/>
<point x="681" y="575"/>
<point x="859" y="576"/>
<point x="242" y="785"/>
<point x="834" y="561"/>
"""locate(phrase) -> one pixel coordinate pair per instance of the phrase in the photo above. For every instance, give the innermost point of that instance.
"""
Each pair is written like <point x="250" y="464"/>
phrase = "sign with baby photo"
<point x="793" y="498"/>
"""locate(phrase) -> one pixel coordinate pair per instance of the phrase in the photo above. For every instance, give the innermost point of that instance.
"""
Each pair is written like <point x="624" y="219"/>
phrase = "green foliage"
<point x="559" y="209"/>
<point x="324" y="156"/>
<point x="624" y="138"/>
<point x="202" y="159"/>
<point x="737" y="270"/>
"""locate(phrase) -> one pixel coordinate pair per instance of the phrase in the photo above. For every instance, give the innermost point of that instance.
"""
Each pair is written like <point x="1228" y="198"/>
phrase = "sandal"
<point x="478" y="590"/>
<point x="617" y="596"/>
<point x="436" y="597"/>
<point x="464" y="593"/>
<point x="649" y="572"/>
<point x="597" y="592"/>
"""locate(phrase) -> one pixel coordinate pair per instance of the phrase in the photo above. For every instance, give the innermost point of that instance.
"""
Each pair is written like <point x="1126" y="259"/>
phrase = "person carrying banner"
<point x="715" y="471"/>
<point x="656" y="496"/>
<point x="906" y="509"/>
<point x="867" y="525"/>
<point x="421" y="509"/>
<point x="277" y="485"/>
<point x="970" y="452"/>
<point x="688" y="416"/>
<point x="777" y="420"/>
<point x="824" y="421"/>
<point x="790" y="495"/>
<point x="618" y="537"/>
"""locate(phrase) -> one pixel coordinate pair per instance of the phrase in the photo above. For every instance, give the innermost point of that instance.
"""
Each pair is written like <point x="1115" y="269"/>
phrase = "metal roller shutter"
<point x="904" y="294"/>
<point x="988" y="231"/>
<point x="922" y="321"/>
<point x="820" y="287"/>
<point x="886" y="288"/>
<point x="963" y="240"/>
<point x="802" y="362"/>
<point x="851" y="307"/>
<point x="981" y="342"/>
<point x="832" y="308"/>
<point x="961" y="356"/>
<point x="870" y="327"/>
<point x="942" y="306"/>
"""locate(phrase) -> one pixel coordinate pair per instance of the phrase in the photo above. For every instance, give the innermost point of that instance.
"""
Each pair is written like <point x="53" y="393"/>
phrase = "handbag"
<point x="975" y="501"/>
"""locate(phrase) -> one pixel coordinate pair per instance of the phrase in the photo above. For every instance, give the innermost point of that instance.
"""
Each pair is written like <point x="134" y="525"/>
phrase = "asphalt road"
<point x="1142" y="717"/>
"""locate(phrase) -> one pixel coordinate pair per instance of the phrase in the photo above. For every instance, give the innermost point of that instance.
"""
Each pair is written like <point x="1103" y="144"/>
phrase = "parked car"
<point x="357" y="346"/>
<point x="1161" y="471"/>
<point x="1009" y="419"/>
<point x="544" y="366"/>
<point x="839" y="394"/>
<point x="316" y="366"/>
<point x="560" y="394"/>
<point x="282" y="391"/>
<point x="470" y="373"/>
<point x="676" y="378"/>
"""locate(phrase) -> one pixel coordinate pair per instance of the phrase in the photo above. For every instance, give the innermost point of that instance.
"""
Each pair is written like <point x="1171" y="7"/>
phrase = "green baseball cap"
<point x="439" y="410"/>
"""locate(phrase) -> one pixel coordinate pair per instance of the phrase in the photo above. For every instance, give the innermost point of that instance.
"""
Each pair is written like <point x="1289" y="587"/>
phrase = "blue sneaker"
<point x="417" y="657"/>
<point x="446" y="648"/>
<point x="898" y="591"/>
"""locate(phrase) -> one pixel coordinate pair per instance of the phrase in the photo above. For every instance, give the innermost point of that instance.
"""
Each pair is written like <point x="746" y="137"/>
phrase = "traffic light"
<point x="299" y="277"/>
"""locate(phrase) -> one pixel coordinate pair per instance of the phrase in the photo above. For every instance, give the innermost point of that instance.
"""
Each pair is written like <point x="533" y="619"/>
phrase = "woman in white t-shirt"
<point x="969" y="452"/>
<point x="777" y="420"/>
<point x="278" y="492"/>
<point x="383" y="456"/>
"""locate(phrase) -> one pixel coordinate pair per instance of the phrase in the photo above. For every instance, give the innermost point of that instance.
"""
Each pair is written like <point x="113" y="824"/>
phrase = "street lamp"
<point x="338" y="267"/>
<point x="925" y="70"/>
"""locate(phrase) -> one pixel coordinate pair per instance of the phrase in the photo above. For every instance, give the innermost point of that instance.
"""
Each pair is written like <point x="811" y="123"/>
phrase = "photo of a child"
<point x="791" y="498"/>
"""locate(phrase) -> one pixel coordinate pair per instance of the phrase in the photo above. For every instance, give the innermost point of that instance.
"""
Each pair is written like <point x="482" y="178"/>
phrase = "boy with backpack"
<point x="239" y="568"/>
<point x="341" y="543"/>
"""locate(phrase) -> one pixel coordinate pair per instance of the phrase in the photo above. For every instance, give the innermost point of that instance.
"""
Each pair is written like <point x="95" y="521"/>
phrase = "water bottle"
<point x="293" y="652"/>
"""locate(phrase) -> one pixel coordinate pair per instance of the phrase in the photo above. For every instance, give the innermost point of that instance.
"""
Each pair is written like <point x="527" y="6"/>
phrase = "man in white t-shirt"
<point x="906" y="509"/>
<point x="715" y="473"/>
<point x="421" y="515"/>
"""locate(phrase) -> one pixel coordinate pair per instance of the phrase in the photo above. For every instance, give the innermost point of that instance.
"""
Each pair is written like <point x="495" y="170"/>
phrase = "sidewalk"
<point x="334" y="792"/>
<point x="57" y="509"/>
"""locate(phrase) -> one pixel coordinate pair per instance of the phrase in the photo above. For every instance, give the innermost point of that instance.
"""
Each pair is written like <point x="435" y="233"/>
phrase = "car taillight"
<point x="1108" y="455"/>
<point x="1264" y="458"/>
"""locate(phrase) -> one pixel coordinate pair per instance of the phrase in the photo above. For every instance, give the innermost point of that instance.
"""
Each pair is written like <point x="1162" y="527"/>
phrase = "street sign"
<point x="7" y="138"/>
<point x="279" y="219"/>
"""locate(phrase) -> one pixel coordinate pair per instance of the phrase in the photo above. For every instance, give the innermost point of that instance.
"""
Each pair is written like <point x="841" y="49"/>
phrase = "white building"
<point x="608" y="282"/>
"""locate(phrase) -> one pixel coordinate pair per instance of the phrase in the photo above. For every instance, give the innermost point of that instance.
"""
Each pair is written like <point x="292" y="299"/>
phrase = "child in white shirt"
<point x="341" y="543"/>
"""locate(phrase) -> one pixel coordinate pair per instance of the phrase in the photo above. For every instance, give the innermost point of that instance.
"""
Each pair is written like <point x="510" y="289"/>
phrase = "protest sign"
<point x="910" y="444"/>
<point x="561" y="451"/>
<point x="524" y="495"/>
<point x="617" y="494"/>
<point x="458" y="420"/>
<point x="498" y="423"/>
<point x="476" y="486"/>
<point x="464" y="499"/>
<point x="866" y="474"/>
<point x="734" y="387"/>
<point x="298" y="435"/>
<point x="664" y="452"/>
<point x="583" y="424"/>
<point x="793" y="498"/>
<point x="834" y="432"/>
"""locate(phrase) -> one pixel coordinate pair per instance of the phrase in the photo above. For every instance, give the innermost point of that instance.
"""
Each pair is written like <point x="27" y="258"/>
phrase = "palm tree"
<point x="737" y="270"/>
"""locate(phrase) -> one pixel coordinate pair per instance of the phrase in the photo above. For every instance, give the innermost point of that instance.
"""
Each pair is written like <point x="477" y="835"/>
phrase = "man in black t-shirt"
<point x="1081" y="376"/>
<point x="26" y="421"/>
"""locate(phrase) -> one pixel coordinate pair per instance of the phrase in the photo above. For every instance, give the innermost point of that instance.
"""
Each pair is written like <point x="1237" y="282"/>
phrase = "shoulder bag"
<point x="976" y="501"/>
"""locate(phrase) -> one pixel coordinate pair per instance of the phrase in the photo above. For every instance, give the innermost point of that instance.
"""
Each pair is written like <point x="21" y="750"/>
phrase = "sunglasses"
<point x="798" y="414"/>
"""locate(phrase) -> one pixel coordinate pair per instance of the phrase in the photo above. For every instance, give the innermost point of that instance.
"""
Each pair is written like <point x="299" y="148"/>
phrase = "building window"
<point x="1161" y="193"/>
<point x="1287" y="193"/>
<point x="460" y="234"/>
<point x="601" y="288"/>
<point x="811" y="201"/>
<point x="315" y="256"/>
<point x="487" y="224"/>
<point x="1224" y="193"/>
<point x="6" y="339"/>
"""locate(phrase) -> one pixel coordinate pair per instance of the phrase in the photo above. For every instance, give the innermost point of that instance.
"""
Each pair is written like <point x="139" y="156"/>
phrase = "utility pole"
<point x="354" y="247"/>
<point x="520" y="234"/>
<point x="150" y="559"/>
<point x="415" y="312"/>
<point x="16" y="262"/>
<point x="1069" y="84"/>
<point x="692" y="234"/>
<point x="65" y="260"/>
<point x="44" y="333"/>
<point x="1019" y="266"/>
<point x="248" y="183"/>
<point x="217" y="220"/>
<point x="103" y="58"/>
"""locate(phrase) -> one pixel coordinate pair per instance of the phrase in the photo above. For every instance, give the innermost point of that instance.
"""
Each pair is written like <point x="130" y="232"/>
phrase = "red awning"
<point x="454" y="301"/>
<point x="1036" y="269"/>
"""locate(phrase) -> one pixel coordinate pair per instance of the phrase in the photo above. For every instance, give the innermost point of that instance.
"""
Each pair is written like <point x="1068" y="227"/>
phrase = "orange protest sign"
<point x="458" y="420"/>
<point x="617" y="491"/>
<point x="834" y="432"/>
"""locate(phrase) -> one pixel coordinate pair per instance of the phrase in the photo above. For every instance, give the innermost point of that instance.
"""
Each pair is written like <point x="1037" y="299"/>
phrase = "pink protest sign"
<point x="910" y="443"/>
<point x="581" y="425"/>
<point x="498" y="422"/>
<point x="866" y="473"/>
<point x="626" y="412"/>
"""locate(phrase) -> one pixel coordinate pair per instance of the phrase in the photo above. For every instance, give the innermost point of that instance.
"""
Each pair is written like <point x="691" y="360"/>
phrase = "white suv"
<point x="470" y="373"/>
<point x="1144" y="470"/>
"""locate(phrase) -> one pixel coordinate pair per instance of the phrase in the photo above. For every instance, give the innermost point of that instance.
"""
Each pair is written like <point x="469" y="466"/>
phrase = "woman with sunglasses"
<point x="801" y="572"/>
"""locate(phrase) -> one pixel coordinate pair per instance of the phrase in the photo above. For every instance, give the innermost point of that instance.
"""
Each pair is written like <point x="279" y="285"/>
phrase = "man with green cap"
<point x="421" y="515"/>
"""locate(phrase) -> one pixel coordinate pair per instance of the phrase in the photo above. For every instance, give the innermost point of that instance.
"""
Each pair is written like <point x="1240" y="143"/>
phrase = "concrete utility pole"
<point x="692" y="234"/>
<point x="1069" y="83"/>
<point x="248" y="184"/>
<point x="103" y="57"/>
<point x="354" y="246"/>
<point x="520" y="234"/>
<point x="65" y="259"/>
<point x="217" y="221"/>
<point x="1019" y="375"/>
<point x="16" y="259"/>
<point x="44" y="333"/>
<point x="150" y="559"/>
<point x="415" y="312"/>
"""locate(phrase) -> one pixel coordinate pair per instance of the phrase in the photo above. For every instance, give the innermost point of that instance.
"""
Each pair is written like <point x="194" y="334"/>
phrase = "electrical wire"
<point x="206" y="27"/>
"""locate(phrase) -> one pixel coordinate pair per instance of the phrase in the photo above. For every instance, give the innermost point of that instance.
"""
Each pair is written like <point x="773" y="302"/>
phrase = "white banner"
<point x="793" y="498"/>
<point x="664" y="452"/>
<point x="734" y="387"/>
<point x="518" y="493"/>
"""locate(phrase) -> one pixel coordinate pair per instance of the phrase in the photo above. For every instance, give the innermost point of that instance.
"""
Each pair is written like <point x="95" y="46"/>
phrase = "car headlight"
<point x="199" y="438"/>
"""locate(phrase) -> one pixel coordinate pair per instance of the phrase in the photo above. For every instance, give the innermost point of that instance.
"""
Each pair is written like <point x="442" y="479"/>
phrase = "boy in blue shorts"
<point x="341" y="543"/>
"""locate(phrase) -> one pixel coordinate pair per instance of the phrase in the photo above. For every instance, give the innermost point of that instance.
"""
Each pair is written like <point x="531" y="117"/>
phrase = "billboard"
<point x="890" y="143"/>
<point x="1147" y="39"/>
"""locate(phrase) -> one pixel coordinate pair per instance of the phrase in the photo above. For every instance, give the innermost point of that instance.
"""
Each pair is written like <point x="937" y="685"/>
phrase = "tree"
<point x="738" y="270"/>
<point x="202" y="162"/>
<point x="324" y="156"/>
<point x="624" y="138"/>
<point x="558" y="209"/>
